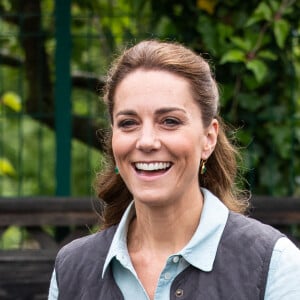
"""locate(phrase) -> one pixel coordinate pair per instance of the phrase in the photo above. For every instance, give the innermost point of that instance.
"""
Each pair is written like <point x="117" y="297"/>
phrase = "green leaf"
<point x="262" y="12"/>
<point x="250" y="101"/>
<point x="224" y="30"/>
<point x="252" y="20"/>
<point x="6" y="168"/>
<point x="258" y="68"/>
<point x="281" y="139"/>
<point x="234" y="55"/>
<point x="226" y="92"/>
<point x="12" y="100"/>
<point x="266" y="54"/>
<point x="281" y="30"/>
<point x="244" y="44"/>
<point x="250" y="82"/>
<point x="274" y="4"/>
<point x="244" y="137"/>
<point x="208" y="30"/>
<point x="11" y="238"/>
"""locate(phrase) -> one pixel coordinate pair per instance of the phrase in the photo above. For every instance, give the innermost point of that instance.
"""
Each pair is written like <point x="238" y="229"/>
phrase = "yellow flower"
<point x="6" y="168"/>
<point x="207" y="5"/>
<point x="12" y="100"/>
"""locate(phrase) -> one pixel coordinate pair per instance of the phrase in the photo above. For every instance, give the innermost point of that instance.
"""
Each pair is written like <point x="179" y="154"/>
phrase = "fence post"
<point x="63" y="107"/>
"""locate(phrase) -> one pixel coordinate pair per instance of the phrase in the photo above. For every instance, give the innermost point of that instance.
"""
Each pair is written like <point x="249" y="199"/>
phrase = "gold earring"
<point x="202" y="166"/>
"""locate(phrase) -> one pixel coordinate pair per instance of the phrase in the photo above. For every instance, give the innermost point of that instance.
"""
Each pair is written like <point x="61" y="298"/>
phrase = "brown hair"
<point x="221" y="165"/>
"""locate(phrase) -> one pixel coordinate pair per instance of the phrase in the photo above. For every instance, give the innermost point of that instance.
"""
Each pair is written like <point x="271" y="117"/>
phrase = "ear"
<point x="210" y="139"/>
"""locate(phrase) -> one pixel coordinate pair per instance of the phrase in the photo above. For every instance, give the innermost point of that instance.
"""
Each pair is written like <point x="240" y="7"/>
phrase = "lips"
<point x="152" y="166"/>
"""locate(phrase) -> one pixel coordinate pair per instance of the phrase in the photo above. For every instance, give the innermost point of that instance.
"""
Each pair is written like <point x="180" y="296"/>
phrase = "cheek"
<point x="120" y="146"/>
<point x="115" y="146"/>
<point x="190" y="144"/>
<point x="187" y="151"/>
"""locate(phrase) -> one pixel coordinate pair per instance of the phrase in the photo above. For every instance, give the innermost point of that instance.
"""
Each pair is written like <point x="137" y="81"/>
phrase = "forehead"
<point x="152" y="87"/>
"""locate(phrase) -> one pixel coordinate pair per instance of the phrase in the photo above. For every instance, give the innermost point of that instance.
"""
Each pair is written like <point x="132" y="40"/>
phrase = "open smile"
<point x="152" y="166"/>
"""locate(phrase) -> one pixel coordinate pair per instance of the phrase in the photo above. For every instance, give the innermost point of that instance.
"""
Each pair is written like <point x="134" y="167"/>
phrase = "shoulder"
<point x="250" y="237"/>
<point x="83" y="247"/>
<point x="79" y="265"/>
<point x="283" y="279"/>
<point x="247" y="246"/>
<point x="285" y="255"/>
<point x="250" y="227"/>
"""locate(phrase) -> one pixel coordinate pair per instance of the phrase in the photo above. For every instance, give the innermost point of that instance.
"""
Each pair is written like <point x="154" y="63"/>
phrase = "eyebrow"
<point x="159" y="111"/>
<point x="165" y="110"/>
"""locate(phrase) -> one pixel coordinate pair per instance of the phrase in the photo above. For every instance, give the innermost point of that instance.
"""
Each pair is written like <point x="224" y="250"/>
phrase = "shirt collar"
<point x="118" y="247"/>
<point x="201" y="249"/>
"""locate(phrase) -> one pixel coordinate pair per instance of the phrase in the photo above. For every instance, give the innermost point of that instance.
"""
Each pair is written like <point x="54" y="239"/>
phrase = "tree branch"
<point x="87" y="81"/>
<point x="82" y="80"/>
<point x="9" y="60"/>
<point x="40" y="101"/>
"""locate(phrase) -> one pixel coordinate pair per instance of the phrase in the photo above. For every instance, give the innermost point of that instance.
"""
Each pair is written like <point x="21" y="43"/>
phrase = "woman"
<point x="172" y="220"/>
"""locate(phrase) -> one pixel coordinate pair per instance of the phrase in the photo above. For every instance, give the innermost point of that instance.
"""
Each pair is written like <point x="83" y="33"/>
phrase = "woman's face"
<point x="158" y="137"/>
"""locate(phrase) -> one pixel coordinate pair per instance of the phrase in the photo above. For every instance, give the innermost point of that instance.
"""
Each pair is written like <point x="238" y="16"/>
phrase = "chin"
<point x="152" y="200"/>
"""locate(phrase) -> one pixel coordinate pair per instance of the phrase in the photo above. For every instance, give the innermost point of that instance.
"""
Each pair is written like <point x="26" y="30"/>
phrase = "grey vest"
<point x="239" y="272"/>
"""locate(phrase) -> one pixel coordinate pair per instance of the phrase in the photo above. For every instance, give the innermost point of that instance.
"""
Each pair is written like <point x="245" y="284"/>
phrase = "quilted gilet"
<point x="239" y="272"/>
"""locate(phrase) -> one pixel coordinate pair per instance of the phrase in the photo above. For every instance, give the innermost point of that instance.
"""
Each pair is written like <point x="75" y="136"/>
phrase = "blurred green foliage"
<point x="253" y="47"/>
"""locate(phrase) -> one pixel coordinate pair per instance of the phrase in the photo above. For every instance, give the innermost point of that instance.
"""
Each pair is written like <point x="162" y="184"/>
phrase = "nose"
<point x="148" y="140"/>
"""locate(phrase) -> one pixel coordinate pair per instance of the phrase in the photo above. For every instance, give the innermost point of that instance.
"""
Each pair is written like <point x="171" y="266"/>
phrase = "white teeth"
<point x="152" y="166"/>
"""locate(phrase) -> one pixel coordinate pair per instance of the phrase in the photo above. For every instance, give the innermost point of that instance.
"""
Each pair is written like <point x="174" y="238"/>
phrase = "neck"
<point x="164" y="230"/>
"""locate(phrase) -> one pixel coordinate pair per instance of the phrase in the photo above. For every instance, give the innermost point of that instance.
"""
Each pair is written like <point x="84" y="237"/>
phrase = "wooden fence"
<point x="25" y="273"/>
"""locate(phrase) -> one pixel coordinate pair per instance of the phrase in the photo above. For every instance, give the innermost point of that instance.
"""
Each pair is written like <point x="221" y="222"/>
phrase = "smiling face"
<point x="158" y="137"/>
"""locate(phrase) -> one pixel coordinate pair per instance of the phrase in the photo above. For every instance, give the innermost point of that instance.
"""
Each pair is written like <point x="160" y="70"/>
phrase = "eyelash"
<point x="169" y="122"/>
<point x="127" y="123"/>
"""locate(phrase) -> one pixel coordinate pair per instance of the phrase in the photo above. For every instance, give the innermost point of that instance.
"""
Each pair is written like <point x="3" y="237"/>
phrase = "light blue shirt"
<point x="283" y="282"/>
